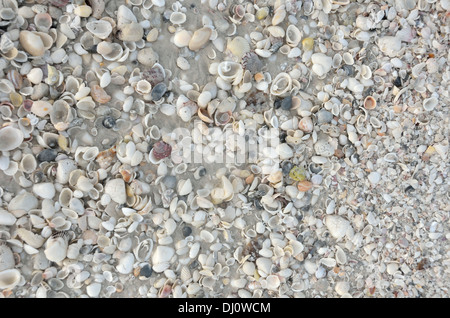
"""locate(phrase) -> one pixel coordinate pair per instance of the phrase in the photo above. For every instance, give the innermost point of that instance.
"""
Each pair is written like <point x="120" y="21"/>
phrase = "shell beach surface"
<point x="218" y="148"/>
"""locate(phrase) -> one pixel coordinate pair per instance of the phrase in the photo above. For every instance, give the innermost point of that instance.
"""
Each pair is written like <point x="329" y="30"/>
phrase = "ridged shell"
<point x="161" y="150"/>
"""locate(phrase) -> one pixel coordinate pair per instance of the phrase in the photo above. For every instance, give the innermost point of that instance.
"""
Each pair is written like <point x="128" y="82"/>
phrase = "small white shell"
<point x="56" y="248"/>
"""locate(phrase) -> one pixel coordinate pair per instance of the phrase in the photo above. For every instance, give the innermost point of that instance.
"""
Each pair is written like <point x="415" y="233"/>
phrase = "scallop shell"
<point x="238" y="46"/>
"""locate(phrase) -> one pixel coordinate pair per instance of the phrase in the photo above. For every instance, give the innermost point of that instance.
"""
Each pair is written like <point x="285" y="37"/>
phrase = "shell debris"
<point x="158" y="149"/>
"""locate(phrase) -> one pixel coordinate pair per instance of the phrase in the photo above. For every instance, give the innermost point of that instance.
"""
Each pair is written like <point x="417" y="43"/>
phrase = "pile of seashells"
<point x="344" y="105"/>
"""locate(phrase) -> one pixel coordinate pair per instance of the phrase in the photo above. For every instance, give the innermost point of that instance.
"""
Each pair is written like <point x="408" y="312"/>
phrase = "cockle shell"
<point x="161" y="150"/>
<point x="238" y="46"/>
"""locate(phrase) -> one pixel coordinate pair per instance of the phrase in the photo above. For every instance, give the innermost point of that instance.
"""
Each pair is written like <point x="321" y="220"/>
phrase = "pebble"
<point x="158" y="91"/>
<point x="324" y="116"/>
<point x="187" y="231"/>
<point x="146" y="271"/>
<point x="47" y="155"/>
<point x="286" y="103"/>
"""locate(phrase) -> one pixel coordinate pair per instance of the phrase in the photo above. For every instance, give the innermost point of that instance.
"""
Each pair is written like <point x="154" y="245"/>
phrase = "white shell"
<point x="126" y="263"/>
<point x="7" y="218"/>
<point x="56" y="248"/>
<point x="430" y="103"/>
<point x="6" y="258"/>
<point x="101" y="28"/>
<point x="281" y="84"/>
<point x="44" y="190"/>
<point x="321" y="63"/>
<point x="293" y="35"/>
<point x="9" y="278"/>
<point x="10" y="138"/>
<point x="337" y="225"/>
<point x="230" y="71"/>
<point x="116" y="189"/>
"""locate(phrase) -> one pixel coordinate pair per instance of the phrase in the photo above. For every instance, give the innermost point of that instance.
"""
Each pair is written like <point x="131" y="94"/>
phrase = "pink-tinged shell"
<point x="27" y="104"/>
<point x="161" y="150"/>
<point x="15" y="78"/>
<point x="99" y="95"/>
<point x="154" y="75"/>
<point x="165" y="291"/>
<point x="306" y="124"/>
<point x="106" y="157"/>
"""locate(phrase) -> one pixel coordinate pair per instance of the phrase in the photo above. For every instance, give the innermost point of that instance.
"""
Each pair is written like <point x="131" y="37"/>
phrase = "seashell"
<point x="61" y="115"/>
<point x="184" y="187"/>
<point x="177" y="18"/>
<point x="43" y="21"/>
<point x="9" y="278"/>
<point x="126" y="262"/>
<point x="34" y="240"/>
<point x="143" y="250"/>
<point x="44" y="190"/>
<point x="251" y="62"/>
<point x="293" y="36"/>
<point x="143" y="87"/>
<point x="370" y="102"/>
<point x="306" y="124"/>
<point x="199" y="38"/>
<point x="238" y="46"/>
<point x="389" y="45"/>
<point x="308" y="44"/>
<point x="110" y="51"/>
<point x="28" y="163"/>
<point x="347" y="57"/>
<point x="115" y="188"/>
<point x="161" y="150"/>
<point x="321" y="63"/>
<point x="182" y="38"/>
<point x="337" y="226"/>
<point x="56" y="247"/>
<point x="100" y="28"/>
<point x="32" y="43"/>
<point x="281" y="84"/>
<point x="6" y="218"/>
<point x="35" y="76"/>
<point x="304" y="186"/>
<point x="325" y="147"/>
<point x="279" y="16"/>
<point x="147" y="56"/>
<point x="6" y="258"/>
<point x="161" y="258"/>
<point x="230" y="72"/>
<point x="99" y="95"/>
<point x="430" y="103"/>
<point x="10" y="138"/>
<point x="154" y="75"/>
<point x="284" y="151"/>
<point x="222" y="118"/>
<point x="15" y="78"/>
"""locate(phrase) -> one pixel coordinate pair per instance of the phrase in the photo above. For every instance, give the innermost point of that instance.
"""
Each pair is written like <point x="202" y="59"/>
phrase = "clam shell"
<point x="293" y="35"/>
<point x="100" y="28"/>
<point x="199" y="38"/>
<point x="56" y="248"/>
<point x="370" y="102"/>
<point x="281" y="84"/>
<point x="10" y="138"/>
<point x="182" y="38"/>
<point x="32" y="43"/>
<point x="9" y="278"/>
<point x="238" y="46"/>
<point x="430" y="103"/>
